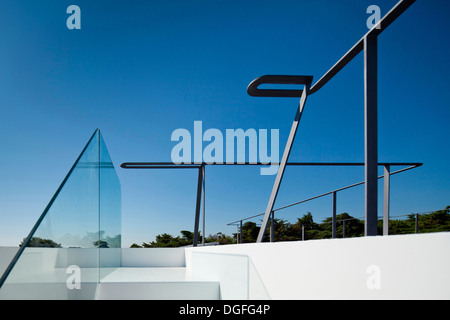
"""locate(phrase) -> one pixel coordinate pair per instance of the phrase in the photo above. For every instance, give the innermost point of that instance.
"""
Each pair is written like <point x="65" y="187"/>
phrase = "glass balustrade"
<point x="77" y="239"/>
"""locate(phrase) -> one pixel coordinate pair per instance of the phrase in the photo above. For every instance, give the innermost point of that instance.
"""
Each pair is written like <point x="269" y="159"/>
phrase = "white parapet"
<point x="153" y="257"/>
<point x="6" y="255"/>
<point x="391" y="267"/>
<point x="107" y="273"/>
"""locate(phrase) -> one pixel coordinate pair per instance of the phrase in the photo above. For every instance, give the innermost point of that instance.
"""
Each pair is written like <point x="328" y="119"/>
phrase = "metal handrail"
<point x="412" y="166"/>
<point x="416" y="224"/>
<point x="334" y="192"/>
<point x="201" y="189"/>
<point x="369" y="44"/>
<point x="390" y="17"/>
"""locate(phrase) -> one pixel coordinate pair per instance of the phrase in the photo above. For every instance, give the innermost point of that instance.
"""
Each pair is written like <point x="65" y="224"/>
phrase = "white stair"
<point x="155" y="283"/>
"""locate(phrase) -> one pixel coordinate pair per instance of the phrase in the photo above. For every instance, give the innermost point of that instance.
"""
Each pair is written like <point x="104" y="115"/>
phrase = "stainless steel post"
<point x="371" y="134"/>
<point x="241" y="239"/>
<point x="272" y="227"/>
<point x="198" y="205"/>
<point x="204" y="201"/>
<point x="333" y="219"/>
<point x="386" y="200"/>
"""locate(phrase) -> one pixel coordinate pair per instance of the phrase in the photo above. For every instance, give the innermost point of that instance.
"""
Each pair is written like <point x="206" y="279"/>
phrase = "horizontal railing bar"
<point x="163" y="165"/>
<point x="150" y="165"/>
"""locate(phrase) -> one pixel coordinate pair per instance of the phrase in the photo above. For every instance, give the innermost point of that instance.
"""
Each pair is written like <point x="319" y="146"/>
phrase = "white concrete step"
<point x="142" y="283"/>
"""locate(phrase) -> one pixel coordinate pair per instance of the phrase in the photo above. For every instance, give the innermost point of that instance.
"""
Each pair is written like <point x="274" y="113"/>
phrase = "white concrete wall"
<point x="41" y="272"/>
<point x="153" y="257"/>
<point x="231" y="270"/>
<point x="6" y="255"/>
<point x="392" y="267"/>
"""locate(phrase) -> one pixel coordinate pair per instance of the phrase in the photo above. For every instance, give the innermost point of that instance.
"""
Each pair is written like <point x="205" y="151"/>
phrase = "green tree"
<point x="166" y="240"/>
<point x="307" y="223"/>
<point x="187" y="235"/>
<point x="101" y="244"/>
<point x="221" y="238"/>
<point x="249" y="232"/>
<point x="39" y="242"/>
<point x="353" y="227"/>
<point x="283" y="230"/>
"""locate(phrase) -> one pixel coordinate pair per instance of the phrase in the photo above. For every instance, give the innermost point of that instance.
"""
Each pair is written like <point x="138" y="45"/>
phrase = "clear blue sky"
<point x="138" y="70"/>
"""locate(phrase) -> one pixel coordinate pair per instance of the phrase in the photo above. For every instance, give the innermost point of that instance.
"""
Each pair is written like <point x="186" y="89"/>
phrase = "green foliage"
<point x="249" y="232"/>
<point x="101" y="244"/>
<point x="220" y="238"/>
<point x="436" y="221"/>
<point x="90" y="239"/>
<point x="353" y="227"/>
<point x="283" y="230"/>
<point x="39" y="242"/>
<point x="187" y="237"/>
<point x="166" y="240"/>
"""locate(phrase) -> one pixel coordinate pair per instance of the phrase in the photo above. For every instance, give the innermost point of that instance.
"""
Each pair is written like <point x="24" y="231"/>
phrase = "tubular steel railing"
<point x="409" y="226"/>
<point x="386" y="213"/>
<point x="368" y="44"/>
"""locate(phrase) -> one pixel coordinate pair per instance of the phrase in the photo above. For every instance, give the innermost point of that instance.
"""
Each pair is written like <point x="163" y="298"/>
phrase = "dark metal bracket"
<point x="253" y="90"/>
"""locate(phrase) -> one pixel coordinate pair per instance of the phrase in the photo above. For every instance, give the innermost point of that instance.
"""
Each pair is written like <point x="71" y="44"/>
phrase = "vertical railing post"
<point x="343" y="228"/>
<point x="240" y="230"/>
<point x="386" y="199"/>
<point x="417" y="223"/>
<point x="371" y="134"/>
<point x="272" y="227"/>
<point x="333" y="219"/>
<point x="303" y="233"/>
<point x="198" y="205"/>
<point x="204" y="201"/>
